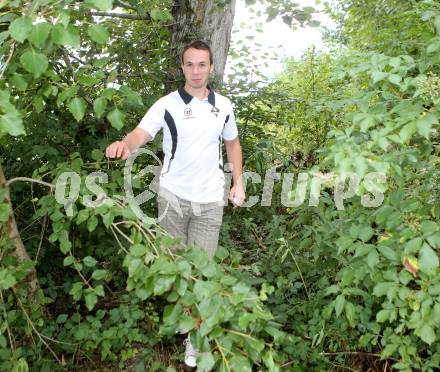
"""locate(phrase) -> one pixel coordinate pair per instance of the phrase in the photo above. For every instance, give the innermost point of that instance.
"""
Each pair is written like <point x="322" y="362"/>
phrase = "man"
<point x="195" y="120"/>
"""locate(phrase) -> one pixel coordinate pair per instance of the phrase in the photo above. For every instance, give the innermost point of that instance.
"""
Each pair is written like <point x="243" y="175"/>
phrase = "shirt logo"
<point x="215" y="111"/>
<point x="187" y="112"/>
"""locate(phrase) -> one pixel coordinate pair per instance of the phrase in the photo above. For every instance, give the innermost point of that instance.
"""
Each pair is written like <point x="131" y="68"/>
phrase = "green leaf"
<point x="91" y="300"/>
<point x="20" y="28"/>
<point x="101" y="4"/>
<point x="97" y="155"/>
<point x="160" y="15"/>
<point x="66" y="35"/>
<point x="4" y="212"/>
<point x="163" y="284"/>
<point x="33" y="62"/>
<point x="99" y="34"/>
<point x="138" y="250"/>
<point x="69" y="260"/>
<point x="372" y="259"/>
<point x="186" y="323"/>
<point x="99" y="274"/>
<point x="239" y="363"/>
<point x="365" y="233"/>
<point x="108" y="219"/>
<point x="92" y="223"/>
<point x="65" y="244"/>
<point x="332" y="290"/>
<point x="437" y="24"/>
<point x="339" y="304"/>
<point x="116" y="118"/>
<point x="429" y="227"/>
<point x="89" y="261"/>
<point x="172" y="313"/>
<point x="434" y="240"/>
<point x="82" y="215"/>
<point x="433" y="47"/>
<point x="99" y="106"/>
<point x="99" y="290"/>
<point x="19" y="82"/>
<point x="413" y="246"/>
<point x="77" y="107"/>
<point x="394" y="78"/>
<point x="76" y="290"/>
<point x="221" y="253"/>
<point x="427" y="334"/>
<point x="3" y="36"/>
<point x="378" y="76"/>
<point x="67" y="93"/>
<point x="428" y="259"/>
<point x="424" y="124"/>
<point x="381" y="289"/>
<point x="7" y="280"/>
<point x="269" y="362"/>
<point x="382" y="316"/>
<point x="88" y="80"/>
<point x="39" y="34"/>
<point x="387" y="252"/>
<point x="61" y="318"/>
<point x="350" y="312"/>
<point x="205" y="361"/>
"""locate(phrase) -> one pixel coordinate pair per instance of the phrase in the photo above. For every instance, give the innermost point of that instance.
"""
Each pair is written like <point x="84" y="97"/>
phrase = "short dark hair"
<point x="197" y="44"/>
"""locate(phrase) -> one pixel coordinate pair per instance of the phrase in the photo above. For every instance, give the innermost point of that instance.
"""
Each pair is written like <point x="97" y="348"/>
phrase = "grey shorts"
<point x="197" y="224"/>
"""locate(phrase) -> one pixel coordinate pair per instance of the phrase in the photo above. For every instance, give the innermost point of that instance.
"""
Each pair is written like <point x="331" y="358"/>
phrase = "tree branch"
<point x="133" y="17"/>
<point x="12" y="180"/>
<point x="72" y="70"/>
<point x="13" y="234"/>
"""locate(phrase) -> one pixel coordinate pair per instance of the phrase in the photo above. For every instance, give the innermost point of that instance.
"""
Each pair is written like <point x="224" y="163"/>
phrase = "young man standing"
<point x="195" y="120"/>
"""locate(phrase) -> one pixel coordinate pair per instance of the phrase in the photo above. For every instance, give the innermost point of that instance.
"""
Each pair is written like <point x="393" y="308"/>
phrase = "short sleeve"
<point x="230" y="130"/>
<point x="153" y="120"/>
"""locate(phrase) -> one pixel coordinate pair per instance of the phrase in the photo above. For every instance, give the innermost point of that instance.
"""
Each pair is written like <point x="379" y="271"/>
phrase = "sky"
<point x="277" y="38"/>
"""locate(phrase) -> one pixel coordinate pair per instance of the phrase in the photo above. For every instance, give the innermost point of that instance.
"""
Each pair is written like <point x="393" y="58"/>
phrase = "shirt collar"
<point x="186" y="97"/>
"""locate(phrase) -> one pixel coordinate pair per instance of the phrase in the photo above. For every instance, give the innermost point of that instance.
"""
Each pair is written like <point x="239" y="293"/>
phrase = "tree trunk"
<point x="203" y="19"/>
<point x="12" y="233"/>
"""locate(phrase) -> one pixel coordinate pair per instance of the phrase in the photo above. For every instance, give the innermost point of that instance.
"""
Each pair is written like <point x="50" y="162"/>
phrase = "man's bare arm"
<point x="235" y="157"/>
<point x="132" y="141"/>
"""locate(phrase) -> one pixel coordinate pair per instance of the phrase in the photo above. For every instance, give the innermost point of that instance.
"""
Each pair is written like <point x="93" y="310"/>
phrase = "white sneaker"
<point x="190" y="353"/>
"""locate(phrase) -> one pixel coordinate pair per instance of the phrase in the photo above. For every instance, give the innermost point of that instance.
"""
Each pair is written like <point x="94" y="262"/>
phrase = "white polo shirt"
<point x="192" y="140"/>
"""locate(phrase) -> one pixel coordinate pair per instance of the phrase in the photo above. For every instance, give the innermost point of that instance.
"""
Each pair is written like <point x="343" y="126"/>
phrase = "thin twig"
<point x="7" y="323"/>
<point x="240" y="334"/>
<point x="12" y="180"/>
<point x="36" y="332"/>
<point x="223" y="355"/>
<point x="8" y="60"/>
<point x="117" y="239"/>
<point x="351" y="353"/>
<point x="43" y="230"/>
<point x="122" y="233"/>
<point x="300" y="273"/>
<point x="80" y="274"/>
<point x="72" y="70"/>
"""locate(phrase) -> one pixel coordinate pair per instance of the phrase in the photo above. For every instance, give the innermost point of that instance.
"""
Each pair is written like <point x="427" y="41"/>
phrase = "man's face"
<point x="196" y="67"/>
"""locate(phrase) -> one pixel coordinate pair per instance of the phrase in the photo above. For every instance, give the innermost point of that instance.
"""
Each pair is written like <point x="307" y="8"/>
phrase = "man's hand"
<point x="237" y="195"/>
<point x="133" y="140"/>
<point x="118" y="149"/>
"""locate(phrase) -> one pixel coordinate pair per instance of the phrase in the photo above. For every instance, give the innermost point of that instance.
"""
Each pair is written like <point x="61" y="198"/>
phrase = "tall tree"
<point x="208" y="20"/>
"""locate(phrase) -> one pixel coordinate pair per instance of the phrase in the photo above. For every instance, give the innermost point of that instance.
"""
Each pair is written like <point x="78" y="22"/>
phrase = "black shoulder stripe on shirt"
<point x="226" y="120"/>
<point x="173" y="130"/>
<point x="211" y="97"/>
